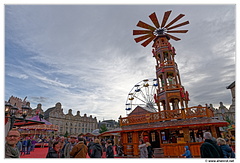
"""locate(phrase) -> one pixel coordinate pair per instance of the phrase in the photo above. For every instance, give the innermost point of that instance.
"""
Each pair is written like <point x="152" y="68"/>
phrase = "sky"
<point x="85" y="56"/>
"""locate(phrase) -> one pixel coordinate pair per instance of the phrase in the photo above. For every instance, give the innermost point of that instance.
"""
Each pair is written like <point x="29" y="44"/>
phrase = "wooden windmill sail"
<point x="159" y="29"/>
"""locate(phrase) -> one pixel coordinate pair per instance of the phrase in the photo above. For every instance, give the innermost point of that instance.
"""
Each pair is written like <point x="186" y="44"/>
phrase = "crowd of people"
<point x="78" y="147"/>
<point x="210" y="148"/>
<point x="59" y="147"/>
<point x="215" y="148"/>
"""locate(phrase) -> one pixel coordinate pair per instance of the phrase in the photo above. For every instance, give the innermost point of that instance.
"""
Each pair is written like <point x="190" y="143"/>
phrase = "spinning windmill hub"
<point x="159" y="30"/>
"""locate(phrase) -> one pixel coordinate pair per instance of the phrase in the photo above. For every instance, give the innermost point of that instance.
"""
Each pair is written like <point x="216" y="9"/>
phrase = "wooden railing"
<point x="186" y="113"/>
<point x="175" y="150"/>
<point x="168" y="87"/>
<point x="166" y="64"/>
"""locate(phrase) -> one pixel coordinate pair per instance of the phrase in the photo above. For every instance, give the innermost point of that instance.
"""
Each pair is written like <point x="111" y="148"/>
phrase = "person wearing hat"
<point x="187" y="153"/>
<point x="69" y="146"/>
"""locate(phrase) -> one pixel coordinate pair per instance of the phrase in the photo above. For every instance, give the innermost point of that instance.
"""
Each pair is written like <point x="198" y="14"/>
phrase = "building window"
<point x="153" y="136"/>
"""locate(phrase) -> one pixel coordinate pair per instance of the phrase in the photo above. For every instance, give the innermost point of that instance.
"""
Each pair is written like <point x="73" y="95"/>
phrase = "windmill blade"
<point x="146" y="26"/>
<point x="165" y="18"/>
<point x="173" y="37"/>
<point x="154" y="19"/>
<point x="145" y="43"/>
<point x="179" y="25"/>
<point x="177" y="31"/>
<point x="174" y="20"/>
<point x="140" y="32"/>
<point x="138" y="39"/>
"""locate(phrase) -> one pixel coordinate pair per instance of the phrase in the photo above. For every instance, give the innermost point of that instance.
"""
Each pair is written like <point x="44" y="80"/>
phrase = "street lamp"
<point x="11" y="110"/>
<point x="7" y="108"/>
<point x="25" y="110"/>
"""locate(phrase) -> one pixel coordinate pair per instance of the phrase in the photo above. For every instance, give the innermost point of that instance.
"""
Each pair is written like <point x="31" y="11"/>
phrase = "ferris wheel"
<point x="142" y="94"/>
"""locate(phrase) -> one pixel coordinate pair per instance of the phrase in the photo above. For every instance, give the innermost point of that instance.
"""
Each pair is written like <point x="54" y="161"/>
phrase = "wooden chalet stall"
<point x="169" y="131"/>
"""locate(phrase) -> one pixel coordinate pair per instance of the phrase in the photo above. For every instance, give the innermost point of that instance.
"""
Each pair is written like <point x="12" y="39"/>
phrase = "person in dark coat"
<point x="103" y="142"/>
<point x="55" y="152"/>
<point x="28" y="145"/>
<point x="96" y="149"/>
<point x="227" y="151"/>
<point x="110" y="152"/>
<point x="209" y="149"/>
<point x="90" y="147"/>
<point x="149" y="149"/>
<point x="24" y="146"/>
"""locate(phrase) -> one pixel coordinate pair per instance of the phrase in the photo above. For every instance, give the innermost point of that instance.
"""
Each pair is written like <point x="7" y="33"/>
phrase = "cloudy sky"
<point x="85" y="56"/>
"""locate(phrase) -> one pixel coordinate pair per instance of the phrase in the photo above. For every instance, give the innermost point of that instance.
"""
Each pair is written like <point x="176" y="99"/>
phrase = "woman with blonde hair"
<point x="227" y="151"/>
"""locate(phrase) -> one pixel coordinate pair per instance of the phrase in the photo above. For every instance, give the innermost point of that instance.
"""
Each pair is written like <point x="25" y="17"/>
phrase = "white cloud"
<point x="17" y="75"/>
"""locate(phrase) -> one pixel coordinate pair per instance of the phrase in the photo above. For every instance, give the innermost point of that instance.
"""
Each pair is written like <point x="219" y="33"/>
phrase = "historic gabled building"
<point x="232" y="106"/>
<point x="110" y="124"/>
<point x="222" y="112"/>
<point x="69" y="123"/>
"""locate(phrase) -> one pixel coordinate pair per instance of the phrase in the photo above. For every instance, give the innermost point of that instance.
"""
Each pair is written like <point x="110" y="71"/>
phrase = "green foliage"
<point x="66" y="134"/>
<point x="229" y="121"/>
<point x="103" y="128"/>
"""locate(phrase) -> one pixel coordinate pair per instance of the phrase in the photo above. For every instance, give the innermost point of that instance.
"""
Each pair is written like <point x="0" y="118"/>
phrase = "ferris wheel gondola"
<point x="142" y="94"/>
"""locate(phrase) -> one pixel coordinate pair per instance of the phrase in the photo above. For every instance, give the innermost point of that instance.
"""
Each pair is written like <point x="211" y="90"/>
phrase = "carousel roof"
<point x="46" y="126"/>
<point x="19" y="122"/>
<point x="37" y="118"/>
